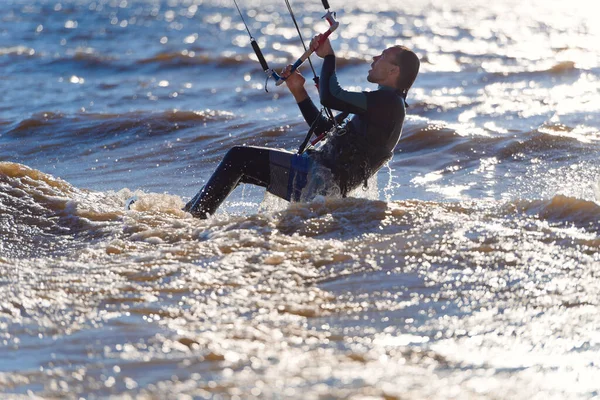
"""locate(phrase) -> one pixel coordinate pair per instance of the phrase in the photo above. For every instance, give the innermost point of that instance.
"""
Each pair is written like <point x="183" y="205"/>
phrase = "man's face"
<point x="382" y="66"/>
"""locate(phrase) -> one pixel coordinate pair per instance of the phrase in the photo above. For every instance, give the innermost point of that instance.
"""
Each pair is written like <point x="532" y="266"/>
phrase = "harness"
<point x="360" y="147"/>
<point x="349" y="156"/>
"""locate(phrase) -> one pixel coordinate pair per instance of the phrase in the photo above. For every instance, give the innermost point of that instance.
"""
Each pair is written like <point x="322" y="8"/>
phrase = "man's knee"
<point x="244" y="156"/>
<point x="237" y="153"/>
<point x="234" y="156"/>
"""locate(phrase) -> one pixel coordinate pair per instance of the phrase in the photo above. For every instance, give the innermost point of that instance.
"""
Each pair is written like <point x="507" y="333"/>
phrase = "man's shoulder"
<point x="387" y="96"/>
<point x="385" y="103"/>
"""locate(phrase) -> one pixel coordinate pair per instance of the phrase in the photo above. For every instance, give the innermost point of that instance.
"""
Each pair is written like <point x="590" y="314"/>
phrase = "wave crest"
<point x="187" y="58"/>
<point x="564" y="210"/>
<point x="111" y="123"/>
<point x="42" y="214"/>
<point x="17" y="51"/>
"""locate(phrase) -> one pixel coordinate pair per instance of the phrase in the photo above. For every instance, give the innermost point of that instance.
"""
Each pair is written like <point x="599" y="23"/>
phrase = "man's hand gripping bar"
<point x="333" y="25"/>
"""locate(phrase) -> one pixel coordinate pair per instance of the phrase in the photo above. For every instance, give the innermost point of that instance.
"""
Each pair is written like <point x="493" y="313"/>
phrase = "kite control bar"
<point x="333" y="25"/>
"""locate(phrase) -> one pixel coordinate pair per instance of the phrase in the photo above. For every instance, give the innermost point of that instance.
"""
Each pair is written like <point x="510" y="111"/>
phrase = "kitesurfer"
<point x="353" y="151"/>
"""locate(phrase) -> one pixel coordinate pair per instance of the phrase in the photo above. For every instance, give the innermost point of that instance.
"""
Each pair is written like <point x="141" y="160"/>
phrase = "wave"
<point x="563" y="210"/>
<point x="548" y="138"/>
<point x="191" y="58"/>
<point x="170" y="59"/>
<point x="106" y="124"/>
<point x="580" y="133"/>
<point x="81" y="58"/>
<point x="540" y="141"/>
<point x="187" y="58"/>
<point x="44" y="215"/>
<point x="39" y="214"/>
<point x="17" y="51"/>
<point x="562" y="67"/>
<point x="431" y="136"/>
<point x="76" y="145"/>
<point x="35" y="121"/>
<point x="89" y="58"/>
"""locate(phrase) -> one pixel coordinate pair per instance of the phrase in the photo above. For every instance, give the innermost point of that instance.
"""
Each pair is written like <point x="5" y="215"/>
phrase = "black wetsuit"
<point x="367" y="143"/>
<point x="369" y="138"/>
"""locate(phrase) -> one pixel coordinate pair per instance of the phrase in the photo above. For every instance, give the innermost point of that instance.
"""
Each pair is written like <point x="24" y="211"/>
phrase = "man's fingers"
<point x="320" y="40"/>
<point x="314" y="43"/>
<point x="286" y="71"/>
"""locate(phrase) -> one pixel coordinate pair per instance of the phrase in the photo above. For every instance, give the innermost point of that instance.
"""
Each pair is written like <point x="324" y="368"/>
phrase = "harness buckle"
<point x="340" y="130"/>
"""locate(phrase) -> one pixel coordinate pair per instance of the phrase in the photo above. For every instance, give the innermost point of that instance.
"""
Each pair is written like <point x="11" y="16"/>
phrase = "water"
<point x="467" y="270"/>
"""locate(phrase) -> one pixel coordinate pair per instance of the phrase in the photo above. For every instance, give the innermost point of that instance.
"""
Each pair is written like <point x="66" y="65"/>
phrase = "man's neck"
<point x="386" y="87"/>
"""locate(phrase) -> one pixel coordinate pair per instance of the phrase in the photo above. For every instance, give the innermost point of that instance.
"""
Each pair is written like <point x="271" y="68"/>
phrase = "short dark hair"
<point x="409" y="65"/>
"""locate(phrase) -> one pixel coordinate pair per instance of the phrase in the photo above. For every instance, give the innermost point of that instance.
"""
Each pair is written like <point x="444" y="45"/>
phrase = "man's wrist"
<point x="327" y="52"/>
<point x="300" y="95"/>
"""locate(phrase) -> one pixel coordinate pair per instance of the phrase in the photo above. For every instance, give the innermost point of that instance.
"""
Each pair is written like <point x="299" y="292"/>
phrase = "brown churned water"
<point x="468" y="269"/>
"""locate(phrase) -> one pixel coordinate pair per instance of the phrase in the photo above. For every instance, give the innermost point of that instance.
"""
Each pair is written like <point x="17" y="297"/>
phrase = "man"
<point x="351" y="154"/>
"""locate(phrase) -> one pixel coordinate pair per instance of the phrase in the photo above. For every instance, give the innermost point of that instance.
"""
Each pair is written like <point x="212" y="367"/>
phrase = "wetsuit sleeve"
<point x="311" y="113"/>
<point x="333" y="96"/>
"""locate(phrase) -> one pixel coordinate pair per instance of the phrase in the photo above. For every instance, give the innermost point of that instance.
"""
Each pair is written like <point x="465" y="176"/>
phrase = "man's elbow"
<point x="328" y="100"/>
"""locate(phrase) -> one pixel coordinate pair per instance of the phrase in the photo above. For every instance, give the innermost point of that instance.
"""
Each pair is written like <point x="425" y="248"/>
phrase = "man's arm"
<point x="333" y="96"/>
<point x="331" y="93"/>
<point x="311" y="114"/>
<point x="295" y="83"/>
